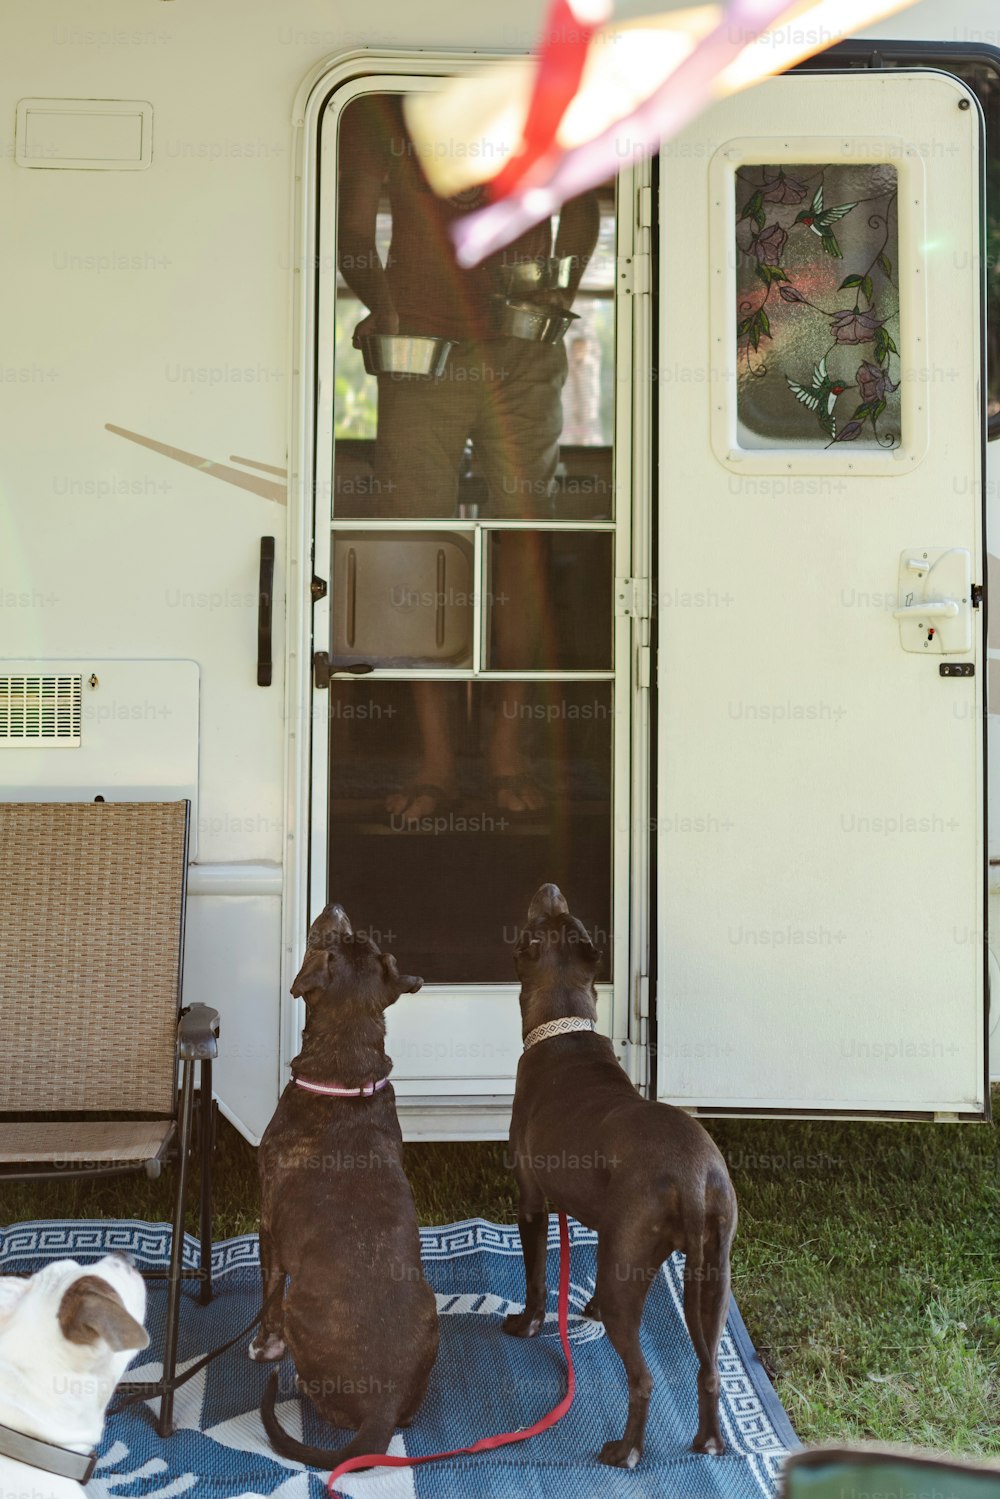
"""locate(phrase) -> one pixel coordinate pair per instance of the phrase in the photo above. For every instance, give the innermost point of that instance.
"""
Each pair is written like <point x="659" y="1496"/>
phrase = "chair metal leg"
<point x="166" y="1421"/>
<point x="207" y="1121"/>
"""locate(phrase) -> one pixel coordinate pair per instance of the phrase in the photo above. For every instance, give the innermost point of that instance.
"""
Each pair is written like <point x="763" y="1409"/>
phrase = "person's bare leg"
<point x="516" y="791"/>
<point x="518" y="615"/>
<point x="517" y="441"/>
<point x="437" y="759"/>
<point x="422" y="427"/>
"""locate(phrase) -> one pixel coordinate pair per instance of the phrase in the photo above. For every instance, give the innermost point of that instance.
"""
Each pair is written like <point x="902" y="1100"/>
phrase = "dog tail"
<point x="373" y="1436"/>
<point x="706" y="1274"/>
<point x="694" y="1261"/>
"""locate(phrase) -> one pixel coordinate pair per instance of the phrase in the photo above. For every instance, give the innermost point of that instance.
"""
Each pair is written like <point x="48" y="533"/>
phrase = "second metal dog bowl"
<point x="404" y="353"/>
<point x="542" y="323"/>
<point x="529" y="277"/>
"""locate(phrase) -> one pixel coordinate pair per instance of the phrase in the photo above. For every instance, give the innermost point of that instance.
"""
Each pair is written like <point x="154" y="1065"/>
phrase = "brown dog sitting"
<point x="337" y="1213"/>
<point x="645" y="1175"/>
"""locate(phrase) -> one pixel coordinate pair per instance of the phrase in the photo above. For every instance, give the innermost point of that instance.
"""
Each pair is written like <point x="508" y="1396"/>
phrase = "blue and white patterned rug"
<point x="483" y="1382"/>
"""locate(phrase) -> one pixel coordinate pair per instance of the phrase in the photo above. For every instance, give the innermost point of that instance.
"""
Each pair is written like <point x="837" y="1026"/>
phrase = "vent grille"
<point x="40" y="710"/>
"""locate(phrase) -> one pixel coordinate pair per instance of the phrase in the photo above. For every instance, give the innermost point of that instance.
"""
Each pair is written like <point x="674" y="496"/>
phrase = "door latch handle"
<point x="324" y="671"/>
<point x="933" y="609"/>
<point x="935" y="600"/>
<point x="265" y="597"/>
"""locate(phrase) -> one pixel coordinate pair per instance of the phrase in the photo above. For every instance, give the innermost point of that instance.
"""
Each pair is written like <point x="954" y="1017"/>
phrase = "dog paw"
<point x="263" y="1350"/>
<point x="592" y="1310"/>
<point x="620" y="1454"/>
<point x="712" y="1444"/>
<point x="523" y="1324"/>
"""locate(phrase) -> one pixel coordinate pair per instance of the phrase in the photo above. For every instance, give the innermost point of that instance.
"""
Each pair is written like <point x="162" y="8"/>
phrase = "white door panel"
<point x="820" y="786"/>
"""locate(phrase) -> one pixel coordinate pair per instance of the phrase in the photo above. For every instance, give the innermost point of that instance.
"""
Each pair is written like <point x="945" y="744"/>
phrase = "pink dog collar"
<point x="334" y="1090"/>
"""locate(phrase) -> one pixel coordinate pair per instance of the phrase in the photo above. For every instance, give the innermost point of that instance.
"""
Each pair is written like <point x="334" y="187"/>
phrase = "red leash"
<point x="486" y="1444"/>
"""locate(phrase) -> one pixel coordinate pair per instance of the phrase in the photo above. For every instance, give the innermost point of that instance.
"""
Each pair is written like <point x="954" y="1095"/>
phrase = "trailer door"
<point x="480" y="606"/>
<point x="821" y="723"/>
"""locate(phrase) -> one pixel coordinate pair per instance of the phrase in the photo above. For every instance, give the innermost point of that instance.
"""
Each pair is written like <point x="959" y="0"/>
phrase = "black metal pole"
<point x="166" y="1421"/>
<point x="207" y="1108"/>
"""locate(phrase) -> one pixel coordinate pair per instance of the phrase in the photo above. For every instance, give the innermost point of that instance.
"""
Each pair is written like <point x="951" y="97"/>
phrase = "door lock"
<point x="935" y="600"/>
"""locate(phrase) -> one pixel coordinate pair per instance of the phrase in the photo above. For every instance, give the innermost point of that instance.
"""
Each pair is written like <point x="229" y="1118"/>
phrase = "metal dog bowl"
<point x="404" y="353"/>
<point x="541" y="322"/>
<point x="529" y="277"/>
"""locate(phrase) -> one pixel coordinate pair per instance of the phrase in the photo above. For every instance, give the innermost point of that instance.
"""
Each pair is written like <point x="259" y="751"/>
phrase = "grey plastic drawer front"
<point x="402" y="599"/>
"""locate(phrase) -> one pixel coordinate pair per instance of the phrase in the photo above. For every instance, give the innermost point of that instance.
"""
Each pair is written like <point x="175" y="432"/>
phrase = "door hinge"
<point x="632" y="597"/>
<point x="642" y="997"/>
<point x="634" y="275"/>
<point x="636" y="1058"/>
<point x="639" y="1028"/>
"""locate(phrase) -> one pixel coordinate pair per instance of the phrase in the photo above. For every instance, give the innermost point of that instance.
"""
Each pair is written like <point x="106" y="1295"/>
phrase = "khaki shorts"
<point x="504" y="393"/>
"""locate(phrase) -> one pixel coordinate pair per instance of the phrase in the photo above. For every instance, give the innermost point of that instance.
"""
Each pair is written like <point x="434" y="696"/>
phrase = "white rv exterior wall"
<point x="160" y="301"/>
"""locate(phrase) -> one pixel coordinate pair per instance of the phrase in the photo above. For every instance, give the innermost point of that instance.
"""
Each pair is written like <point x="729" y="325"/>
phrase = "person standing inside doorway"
<point x="502" y="393"/>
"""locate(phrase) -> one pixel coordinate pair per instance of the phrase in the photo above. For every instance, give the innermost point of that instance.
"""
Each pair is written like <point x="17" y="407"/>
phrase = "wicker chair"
<point x="92" y="898"/>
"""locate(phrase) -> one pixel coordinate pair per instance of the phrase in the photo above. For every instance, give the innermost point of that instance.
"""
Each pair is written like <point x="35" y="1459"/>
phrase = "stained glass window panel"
<point x="817" y="306"/>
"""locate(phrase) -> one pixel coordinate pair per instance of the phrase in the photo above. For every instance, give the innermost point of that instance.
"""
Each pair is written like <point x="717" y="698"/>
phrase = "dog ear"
<point x="314" y="973"/>
<point x="528" y="946"/>
<point x="589" y="953"/>
<point x="401" y="983"/>
<point x="581" y="946"/>
<point x="92" y="1309"/>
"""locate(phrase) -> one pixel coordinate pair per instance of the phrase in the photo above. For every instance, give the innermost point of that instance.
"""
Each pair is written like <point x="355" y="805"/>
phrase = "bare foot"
<point x="419" y="799"/>
<point x="517" y="792"/>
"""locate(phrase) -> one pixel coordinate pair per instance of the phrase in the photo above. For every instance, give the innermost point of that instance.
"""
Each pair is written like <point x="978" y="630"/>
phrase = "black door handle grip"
<point x="265" y="596"/>
<point x="323" y="672"/>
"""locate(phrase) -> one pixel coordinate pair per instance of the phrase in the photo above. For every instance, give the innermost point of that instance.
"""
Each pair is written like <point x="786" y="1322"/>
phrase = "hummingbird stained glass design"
<point x="817" y="288"/>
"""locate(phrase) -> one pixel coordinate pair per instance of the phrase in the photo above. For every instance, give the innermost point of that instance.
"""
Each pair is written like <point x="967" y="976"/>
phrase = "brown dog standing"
<point x="337" y="1213"/>
<point x="644" y="1175"/>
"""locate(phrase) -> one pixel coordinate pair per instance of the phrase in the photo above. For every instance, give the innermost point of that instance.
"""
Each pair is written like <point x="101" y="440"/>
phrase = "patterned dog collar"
<point x="558" y="1028"/>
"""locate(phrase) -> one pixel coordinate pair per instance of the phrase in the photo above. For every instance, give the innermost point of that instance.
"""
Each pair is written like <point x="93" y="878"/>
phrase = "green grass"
<point x="867" y="1264"/>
